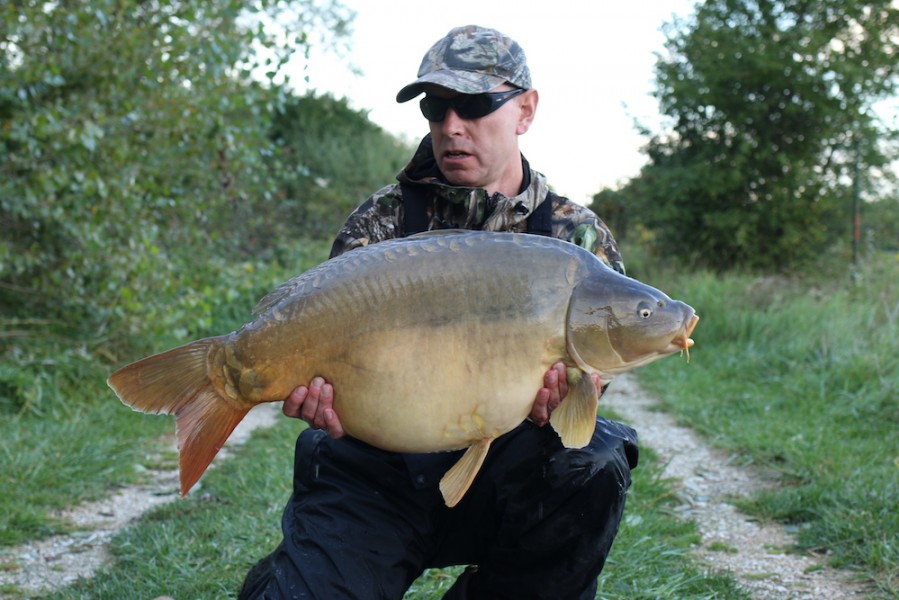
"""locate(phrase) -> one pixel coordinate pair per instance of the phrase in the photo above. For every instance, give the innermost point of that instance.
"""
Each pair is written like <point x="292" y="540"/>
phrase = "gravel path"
<point x="755" y="553"/>
<point x="60" y="560"/>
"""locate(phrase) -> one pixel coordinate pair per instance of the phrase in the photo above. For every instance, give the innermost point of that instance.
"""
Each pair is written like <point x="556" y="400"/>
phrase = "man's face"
<point x="483" y="152"/>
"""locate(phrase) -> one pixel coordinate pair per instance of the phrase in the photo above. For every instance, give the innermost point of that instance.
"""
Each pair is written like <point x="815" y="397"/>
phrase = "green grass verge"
<point x="803" y="381"/>
<point x="201" y="547"/>
<point x="71" y="440"/>
<point x="46" y="466"/>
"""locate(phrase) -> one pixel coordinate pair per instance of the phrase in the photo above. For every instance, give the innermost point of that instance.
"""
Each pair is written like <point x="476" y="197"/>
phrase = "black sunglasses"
<point x="467" y="106"/>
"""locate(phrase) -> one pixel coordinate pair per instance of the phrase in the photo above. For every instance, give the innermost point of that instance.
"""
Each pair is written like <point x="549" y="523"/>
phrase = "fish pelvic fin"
<point x="177" y="382"/>
<point x="575" y="418"/>
<point x="459" y="478"/>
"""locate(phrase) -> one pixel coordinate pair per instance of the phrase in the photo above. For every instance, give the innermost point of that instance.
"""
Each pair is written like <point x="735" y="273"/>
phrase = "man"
<point x="539" y="520"/>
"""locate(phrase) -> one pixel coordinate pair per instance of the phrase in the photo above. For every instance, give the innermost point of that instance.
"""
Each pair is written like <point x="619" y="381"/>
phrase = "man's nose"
<point x="452" y="122"/>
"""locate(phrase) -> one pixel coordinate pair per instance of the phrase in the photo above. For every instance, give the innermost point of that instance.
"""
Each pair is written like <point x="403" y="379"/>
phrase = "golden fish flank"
<point x="434" y="342"/>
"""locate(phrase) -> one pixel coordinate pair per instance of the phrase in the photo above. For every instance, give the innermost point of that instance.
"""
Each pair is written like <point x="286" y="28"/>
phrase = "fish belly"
<point x="424" y="389"/>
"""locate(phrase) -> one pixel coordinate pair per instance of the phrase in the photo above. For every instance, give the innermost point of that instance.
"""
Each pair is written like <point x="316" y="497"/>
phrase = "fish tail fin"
<point x="203" y="426"/>
<point x="459" y="478"/>
<point x="575" y="418"/>
<point x="177" y="382"/>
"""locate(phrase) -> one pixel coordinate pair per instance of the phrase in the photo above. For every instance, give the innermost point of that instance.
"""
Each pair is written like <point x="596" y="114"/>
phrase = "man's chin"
<point x="460" y="177"/>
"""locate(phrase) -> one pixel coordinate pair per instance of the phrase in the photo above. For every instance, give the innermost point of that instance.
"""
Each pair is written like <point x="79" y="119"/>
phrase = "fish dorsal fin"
<point x="458" y="479"/>
<point x="289" y="287"/>
<point x="575" y="418"/>
<point x="435" y="233"/>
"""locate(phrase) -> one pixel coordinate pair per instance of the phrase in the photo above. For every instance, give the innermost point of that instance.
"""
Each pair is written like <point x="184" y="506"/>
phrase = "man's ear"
<point x="527" y="104"/>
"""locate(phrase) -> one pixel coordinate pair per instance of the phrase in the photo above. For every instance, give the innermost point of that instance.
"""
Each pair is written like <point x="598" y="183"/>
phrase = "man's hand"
<point x="314" y="404"/>
<point x="554" y="390"/>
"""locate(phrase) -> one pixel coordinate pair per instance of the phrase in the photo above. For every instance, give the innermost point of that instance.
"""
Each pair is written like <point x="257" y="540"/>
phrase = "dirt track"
<point x="756" y="554"/>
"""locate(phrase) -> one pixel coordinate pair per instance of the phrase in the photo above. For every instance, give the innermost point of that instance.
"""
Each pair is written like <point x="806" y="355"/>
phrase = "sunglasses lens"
<point x="473" y="106"/>
<point x="433" y="108"/>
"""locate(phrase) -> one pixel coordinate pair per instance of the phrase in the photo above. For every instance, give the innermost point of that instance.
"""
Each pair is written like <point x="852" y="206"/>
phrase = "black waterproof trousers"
<point x="363" y="524"/>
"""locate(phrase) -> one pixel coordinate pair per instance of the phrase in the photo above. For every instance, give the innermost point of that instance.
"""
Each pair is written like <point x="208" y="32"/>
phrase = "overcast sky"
<point x="591" y="61"/>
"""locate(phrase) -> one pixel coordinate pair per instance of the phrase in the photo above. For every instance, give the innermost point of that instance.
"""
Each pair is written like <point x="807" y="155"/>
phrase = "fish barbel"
<point x="434" y="342"/>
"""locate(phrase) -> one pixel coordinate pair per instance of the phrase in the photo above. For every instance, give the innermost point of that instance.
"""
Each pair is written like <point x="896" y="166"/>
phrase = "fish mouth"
<point x="683" y="341"/>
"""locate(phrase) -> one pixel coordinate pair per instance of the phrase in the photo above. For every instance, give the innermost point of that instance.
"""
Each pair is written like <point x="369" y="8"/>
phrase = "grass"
<point x="197" y="548"/>
<point x="203" y="545"/>
<point x="50" y="464"/>
<point x="802" y="381"/>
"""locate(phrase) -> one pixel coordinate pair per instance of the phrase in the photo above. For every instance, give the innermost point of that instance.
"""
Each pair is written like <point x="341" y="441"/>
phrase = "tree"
<point x="334" y="152"/>
<point x="771" y="106"/>
<point x="136" y="174"/>
<point x="133" y="130"/>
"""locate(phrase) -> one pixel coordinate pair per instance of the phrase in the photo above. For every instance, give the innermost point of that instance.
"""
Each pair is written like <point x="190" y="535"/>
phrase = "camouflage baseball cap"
<point x="471" y="60"/>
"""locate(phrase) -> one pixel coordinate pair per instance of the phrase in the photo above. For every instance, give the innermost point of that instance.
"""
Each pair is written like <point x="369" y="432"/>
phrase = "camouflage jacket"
<point x="382" y="216"/>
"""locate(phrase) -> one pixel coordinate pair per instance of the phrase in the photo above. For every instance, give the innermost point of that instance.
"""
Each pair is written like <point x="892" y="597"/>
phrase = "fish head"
<point x="616" y="323"/>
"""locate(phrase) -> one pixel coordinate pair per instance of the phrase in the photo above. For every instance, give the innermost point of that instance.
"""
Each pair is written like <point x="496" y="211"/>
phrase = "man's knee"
<point x="603" y="466"/>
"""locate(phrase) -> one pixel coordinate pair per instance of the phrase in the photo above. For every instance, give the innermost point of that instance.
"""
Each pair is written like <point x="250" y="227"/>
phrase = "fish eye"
<point x="644" y="310"/>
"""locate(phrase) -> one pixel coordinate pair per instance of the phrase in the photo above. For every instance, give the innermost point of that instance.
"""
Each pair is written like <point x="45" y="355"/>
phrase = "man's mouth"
<point x="455" y="154"/>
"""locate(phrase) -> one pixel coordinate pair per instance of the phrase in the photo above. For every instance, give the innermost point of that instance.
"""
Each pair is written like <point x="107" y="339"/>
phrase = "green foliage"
<point x="879" y="228"/>
<point x="334" y="154"/>
<point x="802" y="379"/>
<point x="72" y="440"/>
<point x="770" y="106"/>
<point x="127" y="131"/>
<point x="612" y="207"/>
<point x="140" y="160"/>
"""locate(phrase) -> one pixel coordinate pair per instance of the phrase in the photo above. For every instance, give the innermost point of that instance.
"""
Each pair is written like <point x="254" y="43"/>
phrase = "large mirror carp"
<point x="434" y="342"/>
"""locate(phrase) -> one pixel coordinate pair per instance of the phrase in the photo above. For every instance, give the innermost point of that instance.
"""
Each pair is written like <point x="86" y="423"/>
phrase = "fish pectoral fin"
<point x="575" y="418"/>
<point x="458" y="479"/>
